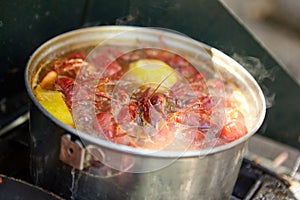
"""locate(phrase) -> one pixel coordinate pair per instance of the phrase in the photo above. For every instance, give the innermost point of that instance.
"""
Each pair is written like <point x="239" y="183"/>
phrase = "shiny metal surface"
<point x="204" y="174"/>
<point x="17" y="122"/>
<point x="72" y="153"/>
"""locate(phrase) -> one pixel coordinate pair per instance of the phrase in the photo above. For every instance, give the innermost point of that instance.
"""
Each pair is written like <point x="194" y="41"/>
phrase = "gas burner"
<point x="259" y="183"/>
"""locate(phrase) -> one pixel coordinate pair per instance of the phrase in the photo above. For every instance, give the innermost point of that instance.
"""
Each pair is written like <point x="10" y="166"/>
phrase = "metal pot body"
<point x="209" y="177"/>
<point x="192" y="175"/>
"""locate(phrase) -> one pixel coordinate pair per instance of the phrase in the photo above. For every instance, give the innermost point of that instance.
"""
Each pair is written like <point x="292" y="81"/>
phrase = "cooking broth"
<point x="147" y="98"/>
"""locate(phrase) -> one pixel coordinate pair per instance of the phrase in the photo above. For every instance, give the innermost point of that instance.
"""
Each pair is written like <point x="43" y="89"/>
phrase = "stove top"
<point x="255" y="181"/>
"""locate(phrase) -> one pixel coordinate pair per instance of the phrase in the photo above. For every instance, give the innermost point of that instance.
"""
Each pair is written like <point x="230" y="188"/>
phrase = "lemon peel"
<point x="53" y="102"/>
<point x="152" y="72"/>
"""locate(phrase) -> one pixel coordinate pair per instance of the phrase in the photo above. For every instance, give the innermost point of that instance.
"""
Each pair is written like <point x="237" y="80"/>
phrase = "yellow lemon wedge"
<point x="153" y="72"/>
<point x="53" y="102"/>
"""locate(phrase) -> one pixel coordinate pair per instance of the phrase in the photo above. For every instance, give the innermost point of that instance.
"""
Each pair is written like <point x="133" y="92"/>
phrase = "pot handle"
<point x="76" y="155"/>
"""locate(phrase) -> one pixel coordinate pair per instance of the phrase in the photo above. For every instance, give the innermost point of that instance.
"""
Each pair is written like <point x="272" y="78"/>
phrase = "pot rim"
<point x="131" y="150"/>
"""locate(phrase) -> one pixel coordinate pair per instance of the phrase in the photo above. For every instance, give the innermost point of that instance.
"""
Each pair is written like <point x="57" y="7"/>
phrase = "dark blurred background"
<point x="257" y="33"/>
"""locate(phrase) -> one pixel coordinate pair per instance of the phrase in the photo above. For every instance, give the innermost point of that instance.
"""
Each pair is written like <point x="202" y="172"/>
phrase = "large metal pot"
<point x="60" y="161"/>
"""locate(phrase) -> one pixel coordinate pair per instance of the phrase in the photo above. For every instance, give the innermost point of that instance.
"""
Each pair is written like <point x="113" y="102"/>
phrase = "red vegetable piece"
<point x="233" y="130"/>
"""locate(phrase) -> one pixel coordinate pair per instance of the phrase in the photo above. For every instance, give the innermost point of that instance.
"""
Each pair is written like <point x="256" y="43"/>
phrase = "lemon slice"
<point x="53" y="102"/>
<point x="152" y="72"/>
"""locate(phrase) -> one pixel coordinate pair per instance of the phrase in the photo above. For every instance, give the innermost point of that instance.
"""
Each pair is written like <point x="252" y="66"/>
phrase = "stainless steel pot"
<point x="61" y="158"/>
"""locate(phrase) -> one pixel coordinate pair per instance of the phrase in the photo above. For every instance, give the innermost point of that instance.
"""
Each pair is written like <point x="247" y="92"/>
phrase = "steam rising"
<point x="260" y="73"/>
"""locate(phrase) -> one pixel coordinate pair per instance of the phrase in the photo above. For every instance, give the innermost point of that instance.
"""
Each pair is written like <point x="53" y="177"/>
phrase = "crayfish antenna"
<point x="160" y="84"/>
